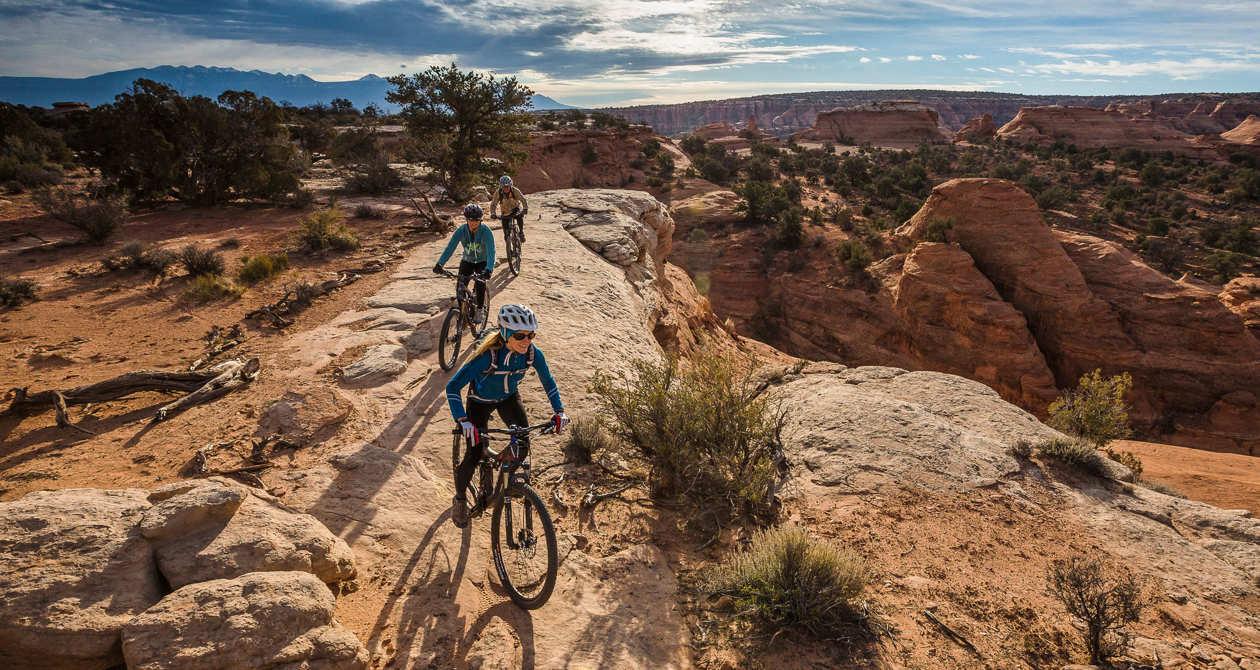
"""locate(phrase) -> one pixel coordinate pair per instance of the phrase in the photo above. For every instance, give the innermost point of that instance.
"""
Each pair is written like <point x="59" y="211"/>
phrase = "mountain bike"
<point x="462" y="313"/>
<point x="522" y="537"/>
<point x="512" y="237"/>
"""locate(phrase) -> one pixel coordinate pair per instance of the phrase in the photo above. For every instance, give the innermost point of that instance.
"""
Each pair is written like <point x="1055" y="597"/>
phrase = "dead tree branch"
<point x="219" y="340"/>
<point x="200" y="386"/>
<point x="298" y="298"/>
<point x="951" y="633"/>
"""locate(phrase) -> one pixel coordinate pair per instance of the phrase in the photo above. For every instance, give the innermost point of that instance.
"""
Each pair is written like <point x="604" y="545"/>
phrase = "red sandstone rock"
<point x="978" y="129"/>
<point x="1089" y="128"/>
<point x="894" y="124"/>
<point x="555" y="159"/>
<point x="1247" y="132"/>
<point x="1242" y="297"/>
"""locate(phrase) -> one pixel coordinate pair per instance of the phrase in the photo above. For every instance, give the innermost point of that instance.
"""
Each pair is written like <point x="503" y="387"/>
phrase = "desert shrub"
<point x="263" y="266"/>
<point x="706" y="432"/>
<point x="200" y="262"/>
<point x="13" y="292"/>
<point x="326" y="229"/>
<point x="1223" y="265"/>
<point x="697" y="234"/>
<point x="1237" y="237"/>
<point x="1129" y="460"/>
<point x="938" y="230"/>
<point x="788" y="580"/>
<point x="1054" y="197"/>
<point x="854" y="254"/>
<point x="651" y="146"/>
<point x="1075" y="453"/>
<point x="589" y="155"/>
<point x="765" y="204"/>
<point x="31" y="155"/>
<point x="703" y="283"/>
<point x="587" y="438"/>
<point x="366" y="211"/>
<point x="1160" y="487"/>
<point x="1021" y="449"/>
<point x="98" y="218"/>
<point x="154" y="143"/>
<point x="1095" y="410"/>
<point x="1165" y="253"/>
<point x="139" y="256"/>
<point x="1103" y="600"/>
<point x="208" y="288"/>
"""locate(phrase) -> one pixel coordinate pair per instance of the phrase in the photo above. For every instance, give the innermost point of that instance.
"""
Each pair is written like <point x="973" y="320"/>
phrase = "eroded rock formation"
<point x="979" y="129"/>
<point x="1090" y="128"/>
<point x="898" y="123"/>
<point x="1247" y="132"/>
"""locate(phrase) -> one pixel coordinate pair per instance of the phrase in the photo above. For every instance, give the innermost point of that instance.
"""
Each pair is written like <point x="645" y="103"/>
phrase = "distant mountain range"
<point x="298" y="89"/>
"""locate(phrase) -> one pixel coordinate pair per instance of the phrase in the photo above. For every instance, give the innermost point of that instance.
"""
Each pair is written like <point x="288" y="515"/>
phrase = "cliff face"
<point x="787" y="113"/>
<point x="1247" y="132"/>
<point x="978" y="129"/>
<point x="563" y="159"/>
<point x="1009" y="302"/>
<point x="1097" y="128"/>
<point x="898" y="124"/>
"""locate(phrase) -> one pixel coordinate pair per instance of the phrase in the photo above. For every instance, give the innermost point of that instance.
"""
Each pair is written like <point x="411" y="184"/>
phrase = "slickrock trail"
<point x="427" y="597"/>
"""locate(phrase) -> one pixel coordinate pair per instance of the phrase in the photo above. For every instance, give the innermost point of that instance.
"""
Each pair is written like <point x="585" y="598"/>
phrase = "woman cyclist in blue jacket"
<point x="492" y="375"/>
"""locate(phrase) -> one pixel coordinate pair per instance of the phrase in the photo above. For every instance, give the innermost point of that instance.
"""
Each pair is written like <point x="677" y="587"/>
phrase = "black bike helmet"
<point x="472" y="211"/>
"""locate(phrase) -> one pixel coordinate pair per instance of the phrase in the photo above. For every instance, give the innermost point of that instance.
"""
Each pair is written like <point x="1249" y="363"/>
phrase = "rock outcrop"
<point x="571" y="158"/>
<point x="899" y="123"/>
<point x="75" y="569"/>
<point x="1247" y="132"/>
<point x="1242" y="297"/>
<point x="258" y="620"/>
<point x="1089" y="128"/>
<point x="217" y="529"/>
<point x="82" y="565"/>
<point x="979" y="129"/>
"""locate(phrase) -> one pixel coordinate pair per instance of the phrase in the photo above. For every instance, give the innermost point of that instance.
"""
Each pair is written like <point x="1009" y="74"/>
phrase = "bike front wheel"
<point x="451" y="339"/>
<point x="513" y="239"/>
<point x="523" y="542"/>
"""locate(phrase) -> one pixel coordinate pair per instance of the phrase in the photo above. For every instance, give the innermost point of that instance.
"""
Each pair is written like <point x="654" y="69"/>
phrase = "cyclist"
<point x="510" y="203"/>
<point x="478" y="256"/>
<point x="492" y="375"/>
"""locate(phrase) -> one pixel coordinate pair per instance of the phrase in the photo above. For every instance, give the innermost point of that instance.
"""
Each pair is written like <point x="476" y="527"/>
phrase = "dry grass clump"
<point x="789" y="581"/>
<point x="208" y="288"/>
<point x="263" y="266"/>
<point x="587" y="439"/>
<point x="139" y="256"/>
<point x="366" y="211"/>
<point x="707" y="433"/>
<point x="326" y="229"/>
<point x="199" y="262"/>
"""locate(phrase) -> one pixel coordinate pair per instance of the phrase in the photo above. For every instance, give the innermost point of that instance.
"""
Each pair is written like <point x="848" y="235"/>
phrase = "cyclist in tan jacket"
<point x="509" y="203"/>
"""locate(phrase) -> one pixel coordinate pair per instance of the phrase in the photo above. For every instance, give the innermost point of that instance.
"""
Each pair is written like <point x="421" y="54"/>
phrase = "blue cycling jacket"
<point x="499" y="383"/>
<point x="477" y="248"/>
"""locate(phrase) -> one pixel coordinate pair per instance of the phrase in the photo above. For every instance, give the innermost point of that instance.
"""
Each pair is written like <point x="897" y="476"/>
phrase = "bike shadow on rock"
<point x="519" y="621"/>
<point x="424" y="599"/>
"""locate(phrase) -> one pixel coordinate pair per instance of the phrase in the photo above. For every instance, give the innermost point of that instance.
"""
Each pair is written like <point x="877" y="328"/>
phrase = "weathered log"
<point x="200" y="385"/>
<point x="302" y="295"/>
<point x="219" y="340"/>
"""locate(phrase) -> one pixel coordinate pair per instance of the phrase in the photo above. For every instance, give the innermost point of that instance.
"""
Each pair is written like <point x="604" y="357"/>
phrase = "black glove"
<point x="484" y="275"/>
<point x="438" y="269"/>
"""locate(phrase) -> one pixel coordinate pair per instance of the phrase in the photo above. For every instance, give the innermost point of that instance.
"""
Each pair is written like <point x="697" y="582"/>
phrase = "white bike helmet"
<point x="505" y="181"/>
<point x="517" y="317"/>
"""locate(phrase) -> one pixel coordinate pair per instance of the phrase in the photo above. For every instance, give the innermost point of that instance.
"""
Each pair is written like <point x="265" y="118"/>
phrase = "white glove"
<point x="558" y="422"/>
<point x="470" y="431"/>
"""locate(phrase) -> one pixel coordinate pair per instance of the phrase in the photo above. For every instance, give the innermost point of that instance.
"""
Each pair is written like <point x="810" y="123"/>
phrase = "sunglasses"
<point x="523" y="336"/>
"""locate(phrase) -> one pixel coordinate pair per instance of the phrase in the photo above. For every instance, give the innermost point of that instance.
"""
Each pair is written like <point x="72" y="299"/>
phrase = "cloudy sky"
<point x="596" y="52"/>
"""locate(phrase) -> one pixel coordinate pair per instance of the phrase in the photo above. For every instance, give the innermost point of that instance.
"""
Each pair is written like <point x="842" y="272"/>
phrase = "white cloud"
<point x="864" y="59"/>
<point x="969" y="57"/>
<point x="1177" y="69"/>
<point x="937" y="57"/>
<point x="914" y="58"/>
<point x="885" y="59"/>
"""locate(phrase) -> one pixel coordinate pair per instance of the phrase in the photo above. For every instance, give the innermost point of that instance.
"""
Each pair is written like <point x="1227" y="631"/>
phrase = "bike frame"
<point x="463" y="297"/>
<point x="511" y="469"/>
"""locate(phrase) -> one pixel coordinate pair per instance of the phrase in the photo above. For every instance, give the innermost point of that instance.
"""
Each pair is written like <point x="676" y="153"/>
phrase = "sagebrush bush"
<point x="938" y="230"/>
<point x="207" y="288"/>
<point x="1102" y="599"/>
<point x="587" y="438"/>
<point x="139" y="256"/>
<point x="854" y="254"/>
<point x="98" y="218"/>
<point x="199" y="262"/>
<point x="326" y="229"/>
<point x="1129" y="460"/>
<point x="366" y="211"/>
<point x="263" y="266"/>
<point x="1076" y="453"/>
<point x="789" y="581"/>
<point x="707" y="433"/>
<point x="13" y="292"/>
<point x="1095" y="410"/>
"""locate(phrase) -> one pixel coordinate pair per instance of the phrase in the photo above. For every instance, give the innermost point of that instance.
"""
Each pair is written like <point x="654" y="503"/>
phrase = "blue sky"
<point x="596" y="52"/>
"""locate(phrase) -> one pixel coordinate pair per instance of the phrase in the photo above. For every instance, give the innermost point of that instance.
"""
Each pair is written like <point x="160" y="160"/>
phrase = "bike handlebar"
<point x="451" y="275"/>
<point x="518" y="431"/>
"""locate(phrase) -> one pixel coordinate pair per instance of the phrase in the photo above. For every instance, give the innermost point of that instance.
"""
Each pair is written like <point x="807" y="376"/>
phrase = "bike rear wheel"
<point x="451" y="339"/>
<point x="523" y="542"/>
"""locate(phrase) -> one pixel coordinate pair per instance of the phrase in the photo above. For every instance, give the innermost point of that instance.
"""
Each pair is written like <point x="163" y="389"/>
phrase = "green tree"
<point x="456" y="117"/>
<point x="1095" y="410"/>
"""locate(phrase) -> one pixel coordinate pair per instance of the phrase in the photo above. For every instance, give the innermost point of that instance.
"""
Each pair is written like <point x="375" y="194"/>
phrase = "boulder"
<point x="217" y="529"/>
<point x="75" y="569"/>
<point x="630" y="229"/>
<point x="378" y="365"/>
<point x="259" y="620"/>
<point x="1242" y="296"/>
<point x="305" y="416"/>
